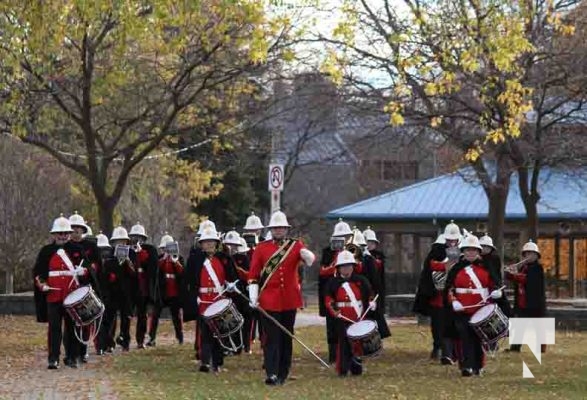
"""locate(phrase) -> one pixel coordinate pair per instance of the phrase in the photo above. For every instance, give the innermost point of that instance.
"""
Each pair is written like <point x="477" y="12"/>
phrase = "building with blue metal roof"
<point x="408" y="219"/>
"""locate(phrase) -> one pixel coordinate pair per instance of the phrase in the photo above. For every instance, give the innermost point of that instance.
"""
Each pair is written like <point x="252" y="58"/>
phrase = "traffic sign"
<point x="276" y="177"/>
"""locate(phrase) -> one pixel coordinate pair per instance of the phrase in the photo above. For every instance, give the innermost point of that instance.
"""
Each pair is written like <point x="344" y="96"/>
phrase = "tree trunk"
<point x="106" y="215"/>
<point x="530" y="197"/>
<point x="9" y="281"/>
<point x="497" y="195"/>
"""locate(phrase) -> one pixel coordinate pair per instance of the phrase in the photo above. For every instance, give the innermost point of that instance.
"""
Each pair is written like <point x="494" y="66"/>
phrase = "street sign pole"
<point x="275" y="183"/>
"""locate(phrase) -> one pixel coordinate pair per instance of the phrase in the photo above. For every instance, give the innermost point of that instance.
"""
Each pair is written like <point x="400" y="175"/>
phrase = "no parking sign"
<point x="276" y="177"/>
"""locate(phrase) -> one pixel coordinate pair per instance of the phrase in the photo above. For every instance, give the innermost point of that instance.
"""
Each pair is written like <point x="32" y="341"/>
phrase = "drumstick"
<point x="348" y="319"/>
<point x="284" y="329"/>
<point x="368" y="308"/>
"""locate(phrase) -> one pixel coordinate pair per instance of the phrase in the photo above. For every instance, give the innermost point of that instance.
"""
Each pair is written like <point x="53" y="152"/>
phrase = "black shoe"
<point x="100" y="352"/>
<point x="272" y="380"/>
<point x="66" y="362"/>
<point x="446" y="360"/>
<point x="120" y="341"/>
<point x="110" y="350"/>
<point x="85" y="358"/>
<point x="151" y="343"/>
<point x="467" y="372"/>
<point x="479" y="372"/>
<point x="141" y="346"/>
<point x="53" y="365"/>
<point x="204" y="368"/>
<point x="72" y="364"/>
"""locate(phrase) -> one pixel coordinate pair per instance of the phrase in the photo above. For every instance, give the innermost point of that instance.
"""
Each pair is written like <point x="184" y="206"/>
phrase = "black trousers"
<point x="175" y="308"/>
<point x="61" y="328"/>
<point x="345" y="360"/>
<point x="211" y="353"/>
<point x="472" y="357"/>
<point x="141" y="309"/>
<point x="277" y="350"/>
<point x="114" y="307"/>
<point x="331" y="337"/>
<point x="437" y="325"/>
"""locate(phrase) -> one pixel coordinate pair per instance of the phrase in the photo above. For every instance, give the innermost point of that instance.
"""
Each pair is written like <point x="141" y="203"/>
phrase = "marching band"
<point x="239" y="287"/>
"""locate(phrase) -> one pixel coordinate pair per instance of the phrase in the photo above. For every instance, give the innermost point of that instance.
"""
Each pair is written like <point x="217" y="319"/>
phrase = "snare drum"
<point x="223" y="318"/>
<point x="489" y="323"/>
<point x="83" y="306"/>
<point x="364" y="339"/>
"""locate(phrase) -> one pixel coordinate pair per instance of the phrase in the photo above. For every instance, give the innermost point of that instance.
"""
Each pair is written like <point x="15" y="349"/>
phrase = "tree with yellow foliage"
<point x="102" y="84"/>
<point x="462" y="68"/>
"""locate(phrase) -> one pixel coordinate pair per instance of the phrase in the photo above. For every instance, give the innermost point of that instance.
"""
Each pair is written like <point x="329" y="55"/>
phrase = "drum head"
<point x="483" y="313"/>
<point x="76" y="295"/>
<point x="217" y="307"/>
<point x="361" y="328"/>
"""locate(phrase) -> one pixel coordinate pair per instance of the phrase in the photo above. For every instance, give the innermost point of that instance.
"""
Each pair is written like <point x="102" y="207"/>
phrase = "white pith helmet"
<point x="440" y="239"/>
<point x="342" y="229"/>
<point x="370" y="235"/>
<point x="486" y="240"/>
<point x="470" y="241"/>
<point x="243" y="247"/>
<point x="253" y="223"/>
<point x="138" y="230"/>
<point x="452" y="231"/>
<point x="531" y="246"/>
<point x="119" y="233"/>
<point x="345" y="257"/>
<point x="209" y="234"/>
<point x="102" y="240"/>
<point x="78" y="220"/>
<point x="167" y="238"/>
<point x="61" y="225"/>
<point x="206" y="224"/>
<point x="278" y="220"/>
<point x="232" y="237"/>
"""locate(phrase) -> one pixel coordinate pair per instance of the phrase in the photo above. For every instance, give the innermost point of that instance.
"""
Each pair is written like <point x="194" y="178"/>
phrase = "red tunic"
<point x="60" y="277"/>
<point x="282" y="291"/>
<point x="520" y="279"/>
<point x="341" y="301"/>
<point x="171" y="270"/>
<point x="328" y="271"/>
<point x="207" y="284"/>
<point x="142" y="260"/>
<point x="464" y="283"/>
<point x="436" y="300"/>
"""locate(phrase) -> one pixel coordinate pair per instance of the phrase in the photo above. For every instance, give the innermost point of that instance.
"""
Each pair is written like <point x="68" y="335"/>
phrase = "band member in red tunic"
<point x="341" y="236"/>
<point x="274" y="286"/>
<point x="146" y="266"/>
<point x="347" y="297"/>
<point x="529" y="287"/>
<point x="236" y="248"/>
<point x="55" y="276"/>
<point x="169" y="274"/>
<point x="93" y="261"/>
<point x="214" y="276"/>
<point x="443" y="255"/>
<point x="252" y="234"/>
<point x="119" y="284"/>
<point x="469" y="285"/>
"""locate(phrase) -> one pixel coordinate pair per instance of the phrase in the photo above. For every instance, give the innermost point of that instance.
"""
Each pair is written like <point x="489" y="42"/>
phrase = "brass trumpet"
<point x="515" y="268"/>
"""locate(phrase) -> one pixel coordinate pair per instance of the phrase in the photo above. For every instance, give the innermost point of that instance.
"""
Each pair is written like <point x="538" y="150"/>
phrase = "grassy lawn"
<point x="402" y="372"/>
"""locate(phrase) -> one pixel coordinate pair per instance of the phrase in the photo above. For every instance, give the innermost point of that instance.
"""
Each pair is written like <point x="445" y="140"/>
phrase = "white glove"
<point x="457" y="306"/>
<point x="307" y="256"/>
<point x="45" y="288"/>
<point x="198" y="300"/>
<point x="496" y="294"/>
<point x="373" y="305"/>
<point x="231" y="286"/>
<point x="366" y="252"/>
<point x="254" y="295"/>
<point x="79" y="271"/>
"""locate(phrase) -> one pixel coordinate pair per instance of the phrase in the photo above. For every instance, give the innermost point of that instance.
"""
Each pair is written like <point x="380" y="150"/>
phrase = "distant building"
<point x="408" y="219"/>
